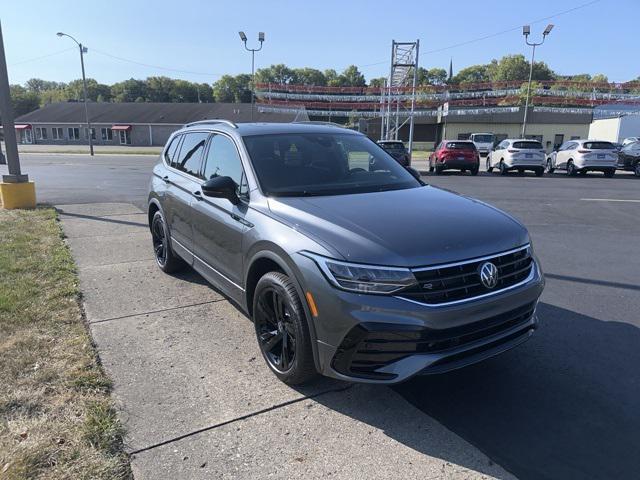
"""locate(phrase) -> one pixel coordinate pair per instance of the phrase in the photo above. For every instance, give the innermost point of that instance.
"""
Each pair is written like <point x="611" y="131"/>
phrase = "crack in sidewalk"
<point x="239" y="419"/>
<point x="93" y="322"/>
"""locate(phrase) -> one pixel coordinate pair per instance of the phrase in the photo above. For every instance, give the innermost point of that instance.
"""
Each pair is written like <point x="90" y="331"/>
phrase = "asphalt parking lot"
<point x="564" y="405"/>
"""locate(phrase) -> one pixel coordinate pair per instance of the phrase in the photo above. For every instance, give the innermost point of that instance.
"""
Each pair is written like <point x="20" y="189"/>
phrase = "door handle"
<point x="198" y="195"/>
<point x="166" y="179"/>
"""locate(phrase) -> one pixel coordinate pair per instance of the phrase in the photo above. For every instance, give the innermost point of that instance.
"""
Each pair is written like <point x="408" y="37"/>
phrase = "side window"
<point x="190" y="157"/>
<point x="223" y="161"/>
<point x="170" y="152"/>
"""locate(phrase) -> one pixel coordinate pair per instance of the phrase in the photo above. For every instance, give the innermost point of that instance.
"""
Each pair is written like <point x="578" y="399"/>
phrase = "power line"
<point x="491" y="35"/>
<point x="42" y="57"/>
<point x="158" y="67"/>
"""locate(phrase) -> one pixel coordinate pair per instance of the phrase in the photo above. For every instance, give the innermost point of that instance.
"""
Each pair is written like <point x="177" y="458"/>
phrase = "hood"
<point x="412" y="227"/>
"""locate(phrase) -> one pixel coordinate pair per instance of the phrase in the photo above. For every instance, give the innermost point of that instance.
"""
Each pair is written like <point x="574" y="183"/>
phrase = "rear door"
<point x="183" y="181"/>
<point x="218" y="224"/>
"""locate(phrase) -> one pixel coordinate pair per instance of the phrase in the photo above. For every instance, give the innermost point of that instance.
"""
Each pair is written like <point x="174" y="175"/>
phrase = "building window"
<point x="56" y="133"/>
<point x="86" y="133"/>
<point x="74" y="133"/>
<point x="106" y="133"/>
<point x="41" y="133"/>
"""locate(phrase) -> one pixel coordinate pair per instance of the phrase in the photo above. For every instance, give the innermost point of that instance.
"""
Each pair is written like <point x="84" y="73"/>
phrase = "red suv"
<point x="455" y="154"/>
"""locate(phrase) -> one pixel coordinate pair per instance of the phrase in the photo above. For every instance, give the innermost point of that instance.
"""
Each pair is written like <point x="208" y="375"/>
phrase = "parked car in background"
<point x="582" y="156"/>
<point x="629" y="158"/>
<point x="455" y="155"/>
<point x="629" y="140"/>
<point x="397" y="150"/>
<point x="517" y="154"/>
<point x="483" y="142"/>
<point x="304" y="228"/>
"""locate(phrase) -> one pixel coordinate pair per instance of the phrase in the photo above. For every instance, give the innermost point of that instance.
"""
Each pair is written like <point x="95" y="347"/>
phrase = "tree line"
<point x="237" y="88"/>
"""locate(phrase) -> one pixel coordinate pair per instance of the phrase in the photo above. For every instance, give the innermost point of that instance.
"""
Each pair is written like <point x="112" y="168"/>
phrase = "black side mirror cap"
<point x="221" y="187"/>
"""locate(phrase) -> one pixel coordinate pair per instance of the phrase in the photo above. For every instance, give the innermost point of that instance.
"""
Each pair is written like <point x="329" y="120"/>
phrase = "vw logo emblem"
<point x="488" y="274"/>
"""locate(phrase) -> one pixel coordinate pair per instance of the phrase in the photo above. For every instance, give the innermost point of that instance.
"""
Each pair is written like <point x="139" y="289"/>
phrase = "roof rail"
<point x="320" y="122"/>
<point x="212" y="121"/>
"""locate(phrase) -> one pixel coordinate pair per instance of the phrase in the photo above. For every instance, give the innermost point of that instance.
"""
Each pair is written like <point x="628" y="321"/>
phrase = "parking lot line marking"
<point x="609" y="200"/>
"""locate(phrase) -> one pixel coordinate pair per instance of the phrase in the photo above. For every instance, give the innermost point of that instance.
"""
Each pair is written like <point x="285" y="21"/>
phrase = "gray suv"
<point x="347" y="263"/>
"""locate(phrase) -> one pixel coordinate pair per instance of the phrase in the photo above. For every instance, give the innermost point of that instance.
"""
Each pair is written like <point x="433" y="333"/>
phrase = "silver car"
<point x="347" y="263"/>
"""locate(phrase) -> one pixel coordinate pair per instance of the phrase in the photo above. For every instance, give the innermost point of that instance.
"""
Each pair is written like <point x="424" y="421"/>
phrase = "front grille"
<point x="462" y="281"/>
<point x="370" y="346"/>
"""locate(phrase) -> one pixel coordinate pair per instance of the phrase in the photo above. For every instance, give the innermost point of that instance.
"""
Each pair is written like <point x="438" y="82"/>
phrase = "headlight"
<point x="355" y="277"/>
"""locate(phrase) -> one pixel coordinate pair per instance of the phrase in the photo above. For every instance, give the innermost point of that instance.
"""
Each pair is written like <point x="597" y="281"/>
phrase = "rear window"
<point x="483" y="138"/>
<point x="461" y="146"/>
<point x="528" y="145"/>
<point x="598" y="146"/>
<point x="393" y="147"/>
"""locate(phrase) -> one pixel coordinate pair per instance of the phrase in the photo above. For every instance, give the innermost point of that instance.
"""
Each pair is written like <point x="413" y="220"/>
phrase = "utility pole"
<point x="16" y="191"/>
<point x="6" y="110"/>
<point x="526" y="30"/>
<point x="253" y="51"/>
<point x="83" y="50"/>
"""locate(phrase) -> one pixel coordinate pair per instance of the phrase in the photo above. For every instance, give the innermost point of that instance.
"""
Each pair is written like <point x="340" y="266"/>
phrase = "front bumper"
<point x="387" y="339"/>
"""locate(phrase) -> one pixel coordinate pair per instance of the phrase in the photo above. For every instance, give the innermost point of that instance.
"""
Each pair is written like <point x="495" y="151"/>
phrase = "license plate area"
<point x="528" y="155"/>
<point x="601" y="156"/>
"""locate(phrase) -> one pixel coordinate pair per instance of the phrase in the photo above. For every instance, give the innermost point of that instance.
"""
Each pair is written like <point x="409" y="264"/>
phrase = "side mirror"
<point x="415" y="173"/>
<point x="221" y="187"/>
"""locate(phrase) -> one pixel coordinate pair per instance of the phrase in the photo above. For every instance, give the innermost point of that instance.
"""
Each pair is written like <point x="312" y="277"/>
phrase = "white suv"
<point x="517" y="154"/>
<point x="581" y="156"/>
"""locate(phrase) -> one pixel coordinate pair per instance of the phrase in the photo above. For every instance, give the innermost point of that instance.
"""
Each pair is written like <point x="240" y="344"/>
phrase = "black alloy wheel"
<point x="165" y="258"/>
<point x="503" y="168"/>
<point x="572" y="171"/>
<point x="636" y="171"/>
<point x="282" y="330"/>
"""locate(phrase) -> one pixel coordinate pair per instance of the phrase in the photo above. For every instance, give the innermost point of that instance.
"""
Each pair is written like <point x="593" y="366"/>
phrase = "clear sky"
<point x="201" y="37"/>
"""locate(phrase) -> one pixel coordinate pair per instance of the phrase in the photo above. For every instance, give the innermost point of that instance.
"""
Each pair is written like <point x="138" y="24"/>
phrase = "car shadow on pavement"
<point x="564" y="405"/>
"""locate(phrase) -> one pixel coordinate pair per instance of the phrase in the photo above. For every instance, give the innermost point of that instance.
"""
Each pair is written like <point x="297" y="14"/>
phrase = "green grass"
<point x="56" y="416"/>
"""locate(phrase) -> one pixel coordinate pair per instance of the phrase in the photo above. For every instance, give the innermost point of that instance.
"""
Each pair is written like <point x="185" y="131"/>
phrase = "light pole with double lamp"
<point x="526" y="30"/>
<point x="83" y="50"/>
<point x="253" y="51"/>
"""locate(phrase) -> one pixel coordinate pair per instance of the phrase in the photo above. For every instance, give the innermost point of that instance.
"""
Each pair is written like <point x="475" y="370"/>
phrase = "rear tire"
<point x="539" y="172"/>
<point x="282" y="329"/>
<point x="550" y="169"/>
<point x="610" y="172"/>
<point x="168" y="261"/>
<point x="430" y="167"/>
<point x="438" y="169"/>
<point x="474" y="170"/>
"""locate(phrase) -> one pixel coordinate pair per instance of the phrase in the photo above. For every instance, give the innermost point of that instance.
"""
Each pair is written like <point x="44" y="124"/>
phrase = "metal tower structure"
<point x="402" y="76"/>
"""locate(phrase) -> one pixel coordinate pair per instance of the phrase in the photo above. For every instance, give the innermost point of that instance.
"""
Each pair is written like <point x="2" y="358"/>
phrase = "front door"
<point x="183" y="179"/>
<point x="218" y="224"/>
<point x="26" y="136"/>
<point x="125" y="137"/>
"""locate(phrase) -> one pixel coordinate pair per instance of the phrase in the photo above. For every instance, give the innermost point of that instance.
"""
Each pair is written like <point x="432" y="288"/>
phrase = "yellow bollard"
<point x="17" y="195"/>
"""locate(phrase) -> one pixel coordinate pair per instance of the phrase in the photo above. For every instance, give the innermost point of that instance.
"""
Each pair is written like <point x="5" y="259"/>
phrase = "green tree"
<point x="309" y="76"/>
<point x="332" y="77"/>
<point x="280" y="74"/>
<point x="22" y="100"/>
<point x="160" y="89"/>
<point x="233" y="89"/>
<point x="129" y="90"/>
<point x="431" y="76"/>
<point x="377" y="82"/>
<point x="75" y="90"/>
<point x="37" y="85"/>
<point x="351" y="77"/>
<point x="516" y="67"/>
<point x="472" y="74"/>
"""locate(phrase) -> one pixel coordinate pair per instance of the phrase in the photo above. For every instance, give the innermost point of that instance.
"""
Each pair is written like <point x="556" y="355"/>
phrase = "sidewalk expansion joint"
<point x="239" y="419"/>
<point x="155" y="311"/>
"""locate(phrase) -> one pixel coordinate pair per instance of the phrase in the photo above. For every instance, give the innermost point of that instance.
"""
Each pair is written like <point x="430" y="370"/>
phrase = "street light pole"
<point x="526" y="30"/>
<point x="83" y="50"/>
<point x="253" y="51"/>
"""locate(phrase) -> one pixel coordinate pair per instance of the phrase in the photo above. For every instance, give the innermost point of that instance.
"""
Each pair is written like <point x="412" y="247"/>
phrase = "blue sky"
<point x="202" y="37"/>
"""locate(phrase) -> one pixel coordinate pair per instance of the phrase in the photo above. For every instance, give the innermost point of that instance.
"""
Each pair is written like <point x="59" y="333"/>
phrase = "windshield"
<point x="598" y="146"/>
<point x="528" y="145"/>
<point x="393" y="147"/>
<point x="300" y="164"/>
<point x="483" y="138"/>
<point x="461" y="146"/>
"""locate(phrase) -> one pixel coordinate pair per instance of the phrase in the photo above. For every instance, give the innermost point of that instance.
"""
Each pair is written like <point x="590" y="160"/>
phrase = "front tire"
<point x="572" y="171"/>
<point x="165" y="258"/>
<point x="282" y="330"/>
<point x="550" y="168"/>
<point x="488" y="165"/>
<point x="539" y="172"/>
<point x="503" y="168"/>
<point x="636" y="171"/>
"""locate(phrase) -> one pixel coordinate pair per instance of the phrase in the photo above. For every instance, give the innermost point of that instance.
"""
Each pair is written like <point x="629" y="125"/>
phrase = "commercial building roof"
<point x="149" y="113"/>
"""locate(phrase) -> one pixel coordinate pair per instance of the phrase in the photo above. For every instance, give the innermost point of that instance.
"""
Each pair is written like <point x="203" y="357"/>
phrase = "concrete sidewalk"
<point x="197" y="398"/>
